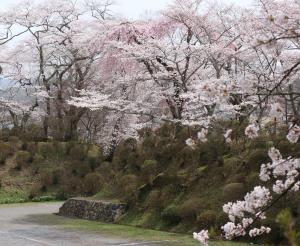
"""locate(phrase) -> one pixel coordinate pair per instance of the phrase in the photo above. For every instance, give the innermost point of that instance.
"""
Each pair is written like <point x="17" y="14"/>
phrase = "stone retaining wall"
<point x="89" y="209"/>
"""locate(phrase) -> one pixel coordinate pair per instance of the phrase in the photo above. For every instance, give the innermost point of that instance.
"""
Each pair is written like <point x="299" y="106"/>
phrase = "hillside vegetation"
<point x="166" y="184"/>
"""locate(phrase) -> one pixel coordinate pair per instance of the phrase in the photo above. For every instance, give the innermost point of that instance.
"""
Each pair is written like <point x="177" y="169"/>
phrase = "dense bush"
<point x="58" y="175"/>
<point x="79" y="168"/>
<point x="35" y="191"/>
<point x="46" y="178"/>
<point x="190" y="208"/>
<point x="148" y="169"/>
<point x="71" y="186"/>
<point x="23" y="158"/>
<point x="257" y="157"/>
<point x="126" y="155"/>
<point x="60" y="149"/>
<point x="5" y="152"/>
<point x="14" y="142"/>
<point x="4" y="134"/>
<point x="77" y="152"/>
<point x="207" y="219"/>
<point x="231" y="165"/>
<point x="233" y="192"/>
<point x="127" y="188"/>
<point x="38" y="159"/>
<point x="46" y="149"/>
<point x="154" y="200"/>
<point x="92" y="183"/>
<point x="171" y="215"/>
<point x="32" y="133"/>
<point x="94" y="157"/>
<point x="31" y="147"/>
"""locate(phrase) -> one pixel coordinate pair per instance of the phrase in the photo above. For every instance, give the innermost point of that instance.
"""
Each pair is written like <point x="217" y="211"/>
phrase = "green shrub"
<point x="70" y="187"/>
<point x="148" y="169"/>
<point x="188" y="155"/>
<point x="106" y="168"/>
<point x="31" y="147"/>
<point x="221" y="219"/>
<point x="260" y="142"/>
<point x="190" y="208"/>
<point x="35" y="191"/>
<point x="46" y="179"/>
<point x="60" y="149"/>
<point x="149" y="165"/>
<point x="23" y="158"/>
<point x="285" y="146"/>
<point x="233" y="192"/>
<point x="169" y="192"/>
<point x="125" y="155"/>
<point x="211" y="151"/>
<point x="38" y="159"/>
<point x="148" y="146"/>
<point x="207" y="219"/>
<point x="171" y="215"/>
<point x="166" y="178"/>
<point x="15" y="131"/>
<point x="58" y="175"/>
<point x="37" y="162"/>
<point x="94" y="157"/>
<point x="77" y="152"/>
<point x="128" y="183"/>
<point x="252" y="179"/>
<point x="5" y="152"/>
<point x="14" y="142"/>
<point x="154" y="201"/>
<point x="231" y="166"/>
<point x="237" y="178"/>
<point x="33" y="133"/>
<point x="92" y="183"/>
<point x="79" y="168"/>
<point x="127" y="188"/>
<point x="46" y="149"/>
<point x="256" y="158"/>
<point x="4" y="134"/>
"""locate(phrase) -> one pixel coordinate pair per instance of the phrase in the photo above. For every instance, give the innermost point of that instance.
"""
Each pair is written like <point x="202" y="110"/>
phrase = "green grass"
<point x="122" y="231"/>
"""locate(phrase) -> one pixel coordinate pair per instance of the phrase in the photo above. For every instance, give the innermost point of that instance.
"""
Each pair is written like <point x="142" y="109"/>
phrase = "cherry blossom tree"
<point x="62" y="46"/>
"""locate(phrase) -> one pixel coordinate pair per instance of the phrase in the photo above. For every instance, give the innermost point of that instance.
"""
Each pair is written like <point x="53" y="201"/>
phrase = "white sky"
<point x="133" y="8"/>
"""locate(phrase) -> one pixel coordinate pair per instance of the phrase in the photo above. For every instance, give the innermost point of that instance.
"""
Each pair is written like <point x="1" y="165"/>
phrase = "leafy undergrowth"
<point x="123" y="231"/>
<point x="13" y="196"/>
<point x="21" y="196"/>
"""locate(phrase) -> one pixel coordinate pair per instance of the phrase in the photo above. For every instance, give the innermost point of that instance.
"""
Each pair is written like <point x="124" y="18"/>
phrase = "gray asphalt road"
<point x="17" y="230"/>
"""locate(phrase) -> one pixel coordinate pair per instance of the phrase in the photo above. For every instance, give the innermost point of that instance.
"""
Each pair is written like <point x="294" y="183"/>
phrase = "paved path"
<point x="17" y="230"/>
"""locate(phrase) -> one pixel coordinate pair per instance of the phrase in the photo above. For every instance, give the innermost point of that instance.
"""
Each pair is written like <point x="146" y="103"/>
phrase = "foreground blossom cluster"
<point x="202" y="237"/>
<point x="285" y="171"/>
<point x="294" y="134"/>
<point x="238" y="212"/>
<point x="245" y="214"/>
<point x="252" y="131"/>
